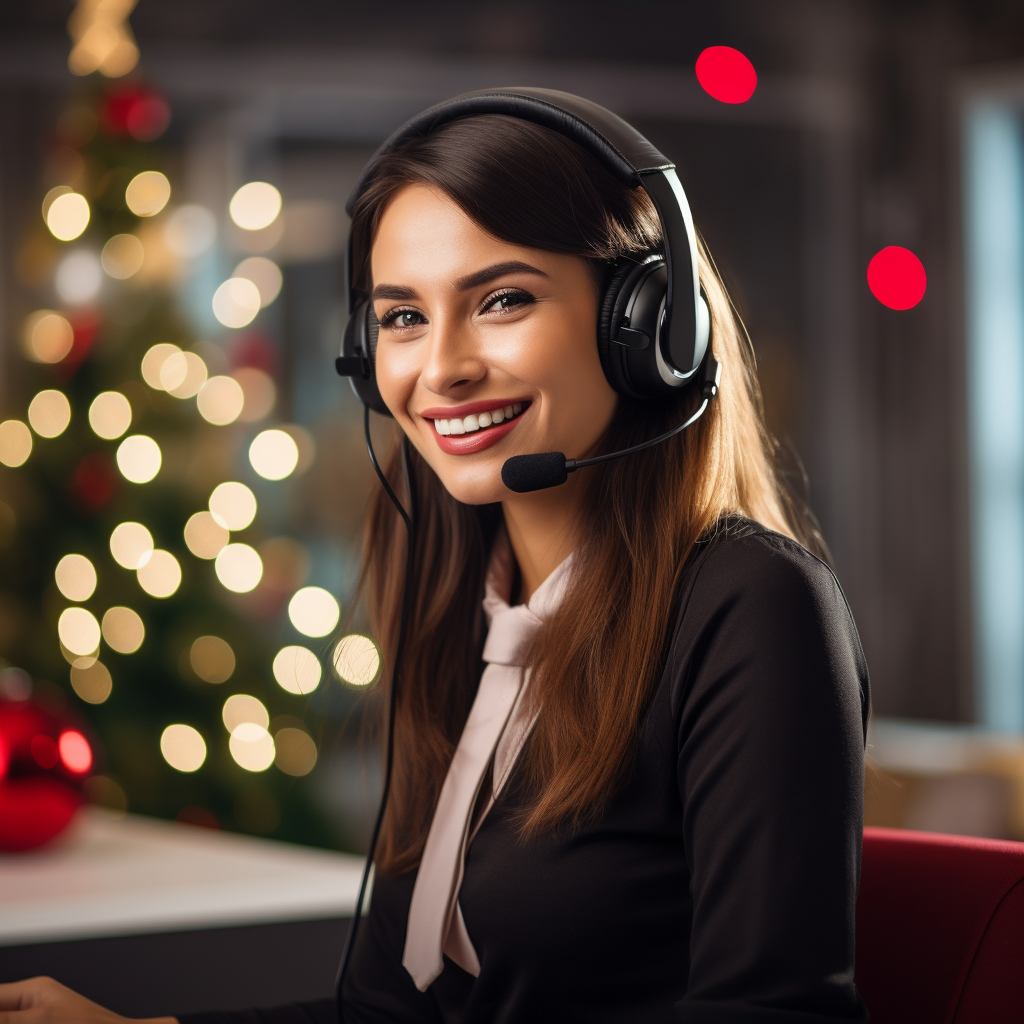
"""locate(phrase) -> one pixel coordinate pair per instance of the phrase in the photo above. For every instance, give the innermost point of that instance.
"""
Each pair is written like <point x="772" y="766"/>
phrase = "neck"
<point x="541" y="529"/>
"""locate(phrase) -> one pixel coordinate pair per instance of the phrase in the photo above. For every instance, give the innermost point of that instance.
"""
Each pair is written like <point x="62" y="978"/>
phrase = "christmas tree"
<point x="146" y="571"/>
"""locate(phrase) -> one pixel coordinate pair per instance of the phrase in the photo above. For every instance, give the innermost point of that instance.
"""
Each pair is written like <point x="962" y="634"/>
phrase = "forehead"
<point x="424" y="235"/>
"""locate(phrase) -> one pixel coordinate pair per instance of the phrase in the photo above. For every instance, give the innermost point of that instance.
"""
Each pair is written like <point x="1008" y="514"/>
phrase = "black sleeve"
<point x="323" y="1011"/>
<point x="772" y="710"/>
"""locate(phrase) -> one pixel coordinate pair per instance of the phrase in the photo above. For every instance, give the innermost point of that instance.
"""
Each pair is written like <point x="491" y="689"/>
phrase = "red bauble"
<point x="44" y="759"/>
<point x="136" y="111"/>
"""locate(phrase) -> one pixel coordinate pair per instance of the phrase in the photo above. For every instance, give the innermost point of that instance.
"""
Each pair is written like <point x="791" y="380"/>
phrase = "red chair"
<point x="940" y="929"/>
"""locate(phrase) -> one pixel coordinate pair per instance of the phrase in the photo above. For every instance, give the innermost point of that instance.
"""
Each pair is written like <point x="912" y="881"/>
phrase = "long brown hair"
<point x="595" y="661"/>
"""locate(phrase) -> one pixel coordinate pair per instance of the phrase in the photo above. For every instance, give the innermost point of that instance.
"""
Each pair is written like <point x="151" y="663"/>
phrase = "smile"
<point x="478" y="421"/>
<point x="481" y="424"/>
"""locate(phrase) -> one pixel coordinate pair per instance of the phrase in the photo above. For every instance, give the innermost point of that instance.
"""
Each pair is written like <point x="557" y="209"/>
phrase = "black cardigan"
<point x="719" y="884"/>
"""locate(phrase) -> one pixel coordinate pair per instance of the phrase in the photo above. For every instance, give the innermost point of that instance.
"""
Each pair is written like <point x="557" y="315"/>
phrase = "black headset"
<point x="653" y="324"/>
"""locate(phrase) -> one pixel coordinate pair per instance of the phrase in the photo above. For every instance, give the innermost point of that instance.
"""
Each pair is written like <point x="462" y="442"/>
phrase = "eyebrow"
<point x="401" y="293"/>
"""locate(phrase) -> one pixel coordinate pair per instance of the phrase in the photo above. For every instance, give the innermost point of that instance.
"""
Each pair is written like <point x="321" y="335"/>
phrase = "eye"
<point x="507" y="301"/>
<point x="397" y="319"/>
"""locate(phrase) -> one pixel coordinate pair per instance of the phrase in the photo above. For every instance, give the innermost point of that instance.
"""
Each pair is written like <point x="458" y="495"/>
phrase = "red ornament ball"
<point x="44" y="760"/>
<point x="726" y="74"/>
<point x="138" y="112"/>
<point x="896" y="277"/>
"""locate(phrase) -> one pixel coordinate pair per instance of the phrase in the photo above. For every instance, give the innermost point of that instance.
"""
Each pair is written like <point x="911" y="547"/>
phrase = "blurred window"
<point x="994" y="264"/>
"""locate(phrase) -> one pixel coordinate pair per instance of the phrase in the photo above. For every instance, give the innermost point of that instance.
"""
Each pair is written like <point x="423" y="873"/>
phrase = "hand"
<point x="45" y="1001"/>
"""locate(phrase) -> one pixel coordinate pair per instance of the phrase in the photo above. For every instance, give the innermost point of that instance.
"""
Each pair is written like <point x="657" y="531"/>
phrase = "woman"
<point x="669" y="823"/>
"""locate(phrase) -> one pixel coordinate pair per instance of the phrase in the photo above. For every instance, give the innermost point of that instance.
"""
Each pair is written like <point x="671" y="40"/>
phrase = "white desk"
<point x="152" y="917"/>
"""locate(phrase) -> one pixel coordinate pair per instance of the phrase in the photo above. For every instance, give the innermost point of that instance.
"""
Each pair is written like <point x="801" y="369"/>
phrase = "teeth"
<point x="470" y="424"/>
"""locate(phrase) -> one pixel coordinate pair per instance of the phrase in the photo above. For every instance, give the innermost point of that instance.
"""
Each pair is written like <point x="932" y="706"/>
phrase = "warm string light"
<point x="102" y="38"/>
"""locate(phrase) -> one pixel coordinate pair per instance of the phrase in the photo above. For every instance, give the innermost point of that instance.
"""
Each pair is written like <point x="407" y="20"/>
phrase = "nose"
<point x="454" y="360"/>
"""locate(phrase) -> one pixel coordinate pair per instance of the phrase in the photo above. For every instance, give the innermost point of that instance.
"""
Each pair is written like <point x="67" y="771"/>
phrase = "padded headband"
<point x="620" y="148"/>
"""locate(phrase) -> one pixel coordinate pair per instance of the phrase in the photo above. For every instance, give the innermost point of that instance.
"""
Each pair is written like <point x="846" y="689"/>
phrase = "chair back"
<point x="940" y="928"/>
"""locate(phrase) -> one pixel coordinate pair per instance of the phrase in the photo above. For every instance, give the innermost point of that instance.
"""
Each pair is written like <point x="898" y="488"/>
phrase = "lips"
<point x="480" y="425"/>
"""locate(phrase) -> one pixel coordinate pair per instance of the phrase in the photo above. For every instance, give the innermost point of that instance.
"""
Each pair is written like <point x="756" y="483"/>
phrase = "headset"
<point x="653" y="335"/>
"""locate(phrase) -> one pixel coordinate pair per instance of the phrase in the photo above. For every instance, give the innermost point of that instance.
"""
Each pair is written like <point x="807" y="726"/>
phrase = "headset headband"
<point x="620" y="148"/>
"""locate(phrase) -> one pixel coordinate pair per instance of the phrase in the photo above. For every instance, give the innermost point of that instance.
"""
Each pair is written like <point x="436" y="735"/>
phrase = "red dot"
<point x="75" y="751"/>
<point x="726" y="75"/>
<point x="896" y="277"/>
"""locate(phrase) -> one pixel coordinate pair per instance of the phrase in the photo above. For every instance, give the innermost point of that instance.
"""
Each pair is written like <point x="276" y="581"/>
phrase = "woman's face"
<point x="487" y="349"/>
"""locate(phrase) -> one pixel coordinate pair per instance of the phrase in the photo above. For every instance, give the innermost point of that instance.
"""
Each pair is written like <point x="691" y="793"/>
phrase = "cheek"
<point x="565" y="363"/>
<point x="396" y="375"/>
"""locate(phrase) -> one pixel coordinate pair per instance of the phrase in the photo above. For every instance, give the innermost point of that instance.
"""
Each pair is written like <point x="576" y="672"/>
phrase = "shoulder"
<point x="754" y="599"/>
<point x="739" y="558"/>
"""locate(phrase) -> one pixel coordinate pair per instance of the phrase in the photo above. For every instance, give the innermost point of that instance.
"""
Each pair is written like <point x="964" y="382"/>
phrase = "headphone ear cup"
<point x="609" y="316"/>
<point x="361" y="340"/>
<point x="631" y="371"/>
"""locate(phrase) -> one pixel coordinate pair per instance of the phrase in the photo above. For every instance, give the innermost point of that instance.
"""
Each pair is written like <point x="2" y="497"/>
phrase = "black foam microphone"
<point x="524" y="473"/>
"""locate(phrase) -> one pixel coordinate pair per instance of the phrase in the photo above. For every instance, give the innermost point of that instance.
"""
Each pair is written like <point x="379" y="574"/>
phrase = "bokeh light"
<point x="265" y="274"/>
<point x="726" y="74"/>
<point x="122" y="257"/>
<point x="259" y="393"/>
<point x="233" y="505"/>
<point x="15" y="443"/>
<point x="160" y="575"/>
<point x="75" y="576"/>
<point x="190" y="230"/>
<point x="75" y="752"/>
<point x="183" y="747"/>
<point x="252" y="747"/>
<point x="81" y="660"/>
<point x="147" y="193"/>
<point x="204" y="536"/>
<point x="239" y="568"/>
<point x="131" y="544"/>
<point x="110" y="415"/>
<point x="67" y="216"/>
<point x="183" y="374"/>
<point x="212" y="659"/>
<point x="139" y="458"/>
<point x="78" y="278"/>
<point x="49" y="413"/>
<point x="313" y="611"/>
<point x="356" y="660"/>
<point x="220" y="401"/>
<point x="236" y="302"/>
<point x="123" y="629"/>
<point x="79" y="631"/>
<point x="296" y="751"/>
<point x="90" y="679"/>
<point x="897" y="277"/>
<point x="274" y="454"/>
<point x="255" y="205"/>
<point x="47" y="336"/>
<point x="297" y="669"/>
<point x="153" y="363"/>
<point x="240" y="707"/>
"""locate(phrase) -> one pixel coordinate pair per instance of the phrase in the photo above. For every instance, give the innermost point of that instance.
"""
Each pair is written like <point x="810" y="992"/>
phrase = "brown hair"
<point x="596" y="660"/>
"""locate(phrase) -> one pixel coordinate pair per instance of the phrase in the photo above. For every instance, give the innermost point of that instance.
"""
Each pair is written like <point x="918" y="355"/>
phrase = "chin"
<point x="473" y="485"/>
